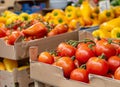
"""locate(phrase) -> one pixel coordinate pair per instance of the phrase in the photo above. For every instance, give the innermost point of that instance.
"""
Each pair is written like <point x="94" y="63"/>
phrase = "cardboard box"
<point x="15" y="78"/>
<point x="53" y="75"/>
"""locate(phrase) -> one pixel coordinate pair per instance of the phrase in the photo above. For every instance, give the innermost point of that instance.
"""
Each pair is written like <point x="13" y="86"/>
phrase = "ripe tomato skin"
<point x="79" y="74"/>
<point x="65" y="49"/>
<point x="46" y="57"/>
<point x="84" y="53"/>
<point x="97" y="66"/>
<point x="12" y="37"/>
<point x="67" y="65"/>
<point x="114" y="63"/>
<point x="102" y="46"/>
<point x="117" y="73"/>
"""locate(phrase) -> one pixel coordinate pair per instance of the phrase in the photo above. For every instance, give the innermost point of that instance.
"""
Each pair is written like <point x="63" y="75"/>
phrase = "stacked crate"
<point x="52" y="75"/>
<point x="16" y="78"/>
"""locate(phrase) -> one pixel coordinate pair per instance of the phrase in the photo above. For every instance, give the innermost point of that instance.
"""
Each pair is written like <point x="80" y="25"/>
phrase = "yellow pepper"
<point x="10" y="64"/>
<point x="86" y="11"/>
<point x="2" y="66"/>
<point x="70" y="9"/>
<point x="60" y="20"/>
<point x="70" y="16"/>
<point x="115" y="33"/>
<point x="74" y="24"/>
<point x="57" y="12"/>
<point x="106" y="15"/>
<point x="48" y="17"/>
<point x="25" y="16"/>
<point x="3" y="20"/>
<point x="117" y="11"/>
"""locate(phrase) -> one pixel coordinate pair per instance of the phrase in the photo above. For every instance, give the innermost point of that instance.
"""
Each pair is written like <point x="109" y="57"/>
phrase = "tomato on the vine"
<point x="67" y="65"/>
<point x="97" y="66"/>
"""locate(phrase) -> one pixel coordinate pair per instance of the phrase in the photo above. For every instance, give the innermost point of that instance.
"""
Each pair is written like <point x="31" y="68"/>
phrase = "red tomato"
<point x="13" y="37"/>
<point x="80" y="74"/>
<point x="117" y="73"/>
<point x="84" y="53"/>
<point x="102" y="46"/>
<point x="3" y="32"/>
<point x="46" y="57"/>
<point x="65" y="49"/>
<point x="97" y="66"/>
<point x="67" y="65"/>
<point x="59" y="29"/>
<point x="114" y="63"/>
<point x="118" y="51"/>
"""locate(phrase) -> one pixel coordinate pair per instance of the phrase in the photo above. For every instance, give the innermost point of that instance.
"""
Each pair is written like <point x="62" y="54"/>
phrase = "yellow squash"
<point x="2" y="66"/>
<point x="108" y="26"/>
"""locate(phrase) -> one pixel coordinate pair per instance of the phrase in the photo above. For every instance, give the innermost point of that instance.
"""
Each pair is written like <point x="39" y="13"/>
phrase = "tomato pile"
<point x="80" y="58"/>
<point x="33" y="31"/>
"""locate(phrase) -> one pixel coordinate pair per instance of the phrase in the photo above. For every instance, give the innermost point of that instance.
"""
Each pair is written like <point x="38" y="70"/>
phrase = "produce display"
<point x="80" y="58"/>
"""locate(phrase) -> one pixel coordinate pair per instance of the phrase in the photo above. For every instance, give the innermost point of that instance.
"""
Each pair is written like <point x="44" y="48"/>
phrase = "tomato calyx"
<point x="102" y="56"/>
<point x="83" y="66"/>
<point x="75" y="43"/>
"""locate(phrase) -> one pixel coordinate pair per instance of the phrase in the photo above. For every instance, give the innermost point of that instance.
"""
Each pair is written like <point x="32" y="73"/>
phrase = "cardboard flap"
<point x="103" y="81"/>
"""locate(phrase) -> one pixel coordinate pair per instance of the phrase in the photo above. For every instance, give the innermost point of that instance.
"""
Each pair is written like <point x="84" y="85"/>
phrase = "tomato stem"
<point x="83" y="66"/>
<point x="102" y="56"/>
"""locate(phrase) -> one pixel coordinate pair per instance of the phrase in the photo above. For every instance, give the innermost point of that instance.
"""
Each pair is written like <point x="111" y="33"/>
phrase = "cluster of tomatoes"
<point x="30" y="31"/>
<point x="80" y="58"/>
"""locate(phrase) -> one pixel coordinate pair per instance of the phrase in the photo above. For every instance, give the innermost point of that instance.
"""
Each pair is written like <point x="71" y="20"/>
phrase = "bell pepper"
<point x="115" y="33"/>
<point x="71" y="16"/>
<point x="106" y="15"/>
<point x="70" y="9"/>
<point x="61" y="19"/>
<point x="2" y="66"/>
<point x="86" y="11"/>
<point x="38" y="29"/>
<point x="10" y="65"/>
<point x="74" y="24"/>
<point x="117" y="11"/>
<point x="57" y="12"/>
